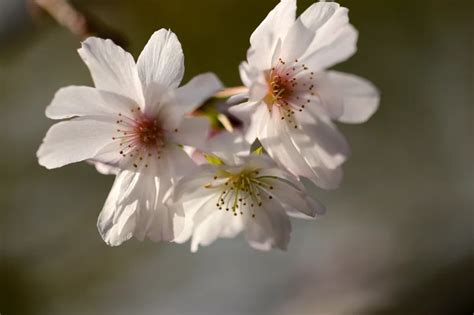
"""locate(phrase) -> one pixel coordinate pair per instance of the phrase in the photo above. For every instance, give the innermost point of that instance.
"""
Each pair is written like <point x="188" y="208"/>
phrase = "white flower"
<point x="292" y="99"/>
<point x="241" y="193"/>
<point x="132" y="123"/>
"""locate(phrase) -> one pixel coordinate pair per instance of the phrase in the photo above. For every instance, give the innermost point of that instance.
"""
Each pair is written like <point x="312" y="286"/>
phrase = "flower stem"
<point x="231" y="91"/>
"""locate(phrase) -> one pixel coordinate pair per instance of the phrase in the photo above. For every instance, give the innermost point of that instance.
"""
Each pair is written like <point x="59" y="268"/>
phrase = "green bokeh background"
<point x="398" y="236"/>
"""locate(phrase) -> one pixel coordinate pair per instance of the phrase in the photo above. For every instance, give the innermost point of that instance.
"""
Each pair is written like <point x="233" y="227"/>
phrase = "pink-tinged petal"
<point x="74" y="101"/>
<point x="161" y="63"/>
<point x="75" y="140"/>
<point x="335" y="39"/>
<point x="264" y="39"/>
<point x="187" y="98"/>
<point x="360" y="97"/>
<point x="112" y="68"/>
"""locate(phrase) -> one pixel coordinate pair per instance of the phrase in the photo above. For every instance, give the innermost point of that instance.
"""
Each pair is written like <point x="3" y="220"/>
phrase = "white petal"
<point x="135" y="207"/>
<point x="116" y="227"/>
<point x="162" y="60"/>
<point x="327" y="178"/>
<point x="319" y="13"/>
<point x="253" y="115"/>
<point x="179" y="163"/>
<point x="233" y="227"/>
<point x="361" y="98"/>
<point x="193" y="131"/>
<point x="328" y="102"/>
<point x="295" y="201"/>
<point x="74" y="140"/>
<point x="296" y="42"/>
<point x="320" y="137"/>
<point x="104" y="168"/>
<point x="335" y="39"/>
<point x="228" y="146"/>
<point x="275" y="26"/>
<point x="197" y="90"/>
<point x="112" y="68"/>
<point x="74" y="101"/>
<point x="246" y="74"/>
<point x="277" y="142"/>
<point x="237" y="98"/>
<point x="163" y="226"/>
<point x="208" y="223"/>
<point x="187" y="98"/>
<point x="270" y="227"/>
<point x="259" y="89"/>
<point x="189" y="209"/>
<point x="208" y="231"/>
<point x="314" y="150"/>
<point x="190" y="186"/>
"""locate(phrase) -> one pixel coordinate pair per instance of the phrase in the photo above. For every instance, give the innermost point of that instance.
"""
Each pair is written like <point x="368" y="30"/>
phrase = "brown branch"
<point x="76" y="21"/>
<point x="67" y="16"/>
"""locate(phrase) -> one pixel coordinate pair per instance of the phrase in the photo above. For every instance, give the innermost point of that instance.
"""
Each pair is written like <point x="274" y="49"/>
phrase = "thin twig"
<point x="231" y="91"/>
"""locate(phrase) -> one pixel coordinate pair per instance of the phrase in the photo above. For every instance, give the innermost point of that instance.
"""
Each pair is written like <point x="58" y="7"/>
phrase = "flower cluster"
<point x="175" y="179"/>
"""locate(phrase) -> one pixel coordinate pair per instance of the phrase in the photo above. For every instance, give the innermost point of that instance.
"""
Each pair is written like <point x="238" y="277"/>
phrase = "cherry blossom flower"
<point x="134" y="123"/>
<point x="240" y="192"/>
<point x="292" y="99"/>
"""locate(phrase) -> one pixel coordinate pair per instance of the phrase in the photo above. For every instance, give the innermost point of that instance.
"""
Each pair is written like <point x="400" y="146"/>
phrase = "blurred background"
<point x="398" y="236"/>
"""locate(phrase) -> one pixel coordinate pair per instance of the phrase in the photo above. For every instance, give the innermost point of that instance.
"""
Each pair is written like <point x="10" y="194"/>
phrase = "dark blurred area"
<point x="398" y="236"/>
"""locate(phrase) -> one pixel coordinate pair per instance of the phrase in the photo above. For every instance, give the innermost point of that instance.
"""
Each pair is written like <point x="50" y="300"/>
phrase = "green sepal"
<point x="213" y="159"/>
<point x="258" y="151"/>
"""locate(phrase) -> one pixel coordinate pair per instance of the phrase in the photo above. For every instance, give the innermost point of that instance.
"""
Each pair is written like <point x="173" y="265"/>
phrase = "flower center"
<point x="140" y="137"/>
<point x="290" y="89"/>
<point x="241" y="192"/>
<point x="149" y="132"/>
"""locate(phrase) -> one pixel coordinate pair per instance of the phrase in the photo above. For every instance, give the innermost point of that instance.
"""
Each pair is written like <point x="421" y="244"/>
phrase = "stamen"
<point x="287" y="83"/>
<point x="239" y="190"/>
<point x="140" y="137"/>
